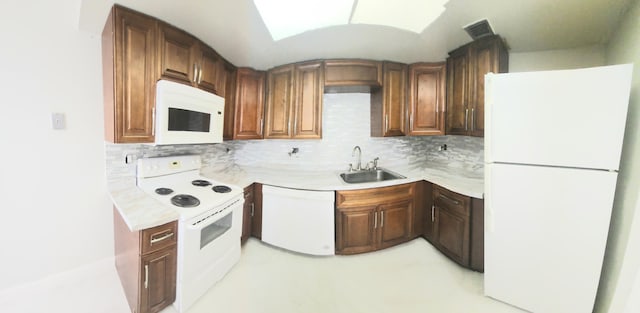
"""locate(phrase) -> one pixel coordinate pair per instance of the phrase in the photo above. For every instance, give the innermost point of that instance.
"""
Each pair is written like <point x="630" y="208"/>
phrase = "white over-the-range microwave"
<point x="187" y="115"/>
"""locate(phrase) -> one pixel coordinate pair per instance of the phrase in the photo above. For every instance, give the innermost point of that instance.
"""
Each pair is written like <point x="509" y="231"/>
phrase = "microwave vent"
<point x="479" y="29"/>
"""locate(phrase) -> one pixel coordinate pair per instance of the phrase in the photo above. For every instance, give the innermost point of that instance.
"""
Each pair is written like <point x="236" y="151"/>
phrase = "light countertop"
<point x="141" y="211"/>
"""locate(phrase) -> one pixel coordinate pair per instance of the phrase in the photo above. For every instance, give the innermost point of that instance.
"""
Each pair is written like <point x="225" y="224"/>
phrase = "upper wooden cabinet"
<point x="426" y="99"/>
<point x="229" y="74"/>
<point x="294" y="101"/>
<point x="249" y="104"/>
<point x="466" y="67"/>
<point x="388" y="104"/>
<point x="348" y="75"/>
<point x="129" y="76"/>
<point x="183" y="58"/>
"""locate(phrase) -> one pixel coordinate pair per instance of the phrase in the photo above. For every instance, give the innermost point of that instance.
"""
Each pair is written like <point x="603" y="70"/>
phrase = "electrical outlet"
<point x="57" y="121"/>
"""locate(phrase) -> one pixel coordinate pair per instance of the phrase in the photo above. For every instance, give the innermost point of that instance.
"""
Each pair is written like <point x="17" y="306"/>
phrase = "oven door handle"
<point x="210" y="219"/>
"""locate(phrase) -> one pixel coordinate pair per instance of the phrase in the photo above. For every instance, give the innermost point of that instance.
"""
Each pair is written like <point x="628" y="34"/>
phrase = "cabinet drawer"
<point x="374" y="196"/>
<point x="455" y="202"/>
<point x="158" y="237"/>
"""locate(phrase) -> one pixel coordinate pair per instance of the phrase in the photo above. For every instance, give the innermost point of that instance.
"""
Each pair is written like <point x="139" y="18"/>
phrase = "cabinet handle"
<point x="386" y="123"/>
<point x="375" y="220"/>
<point x="252" y="209"/>
<point x="153" y="121"/>
<point x="154" y="240"/>
<point x="449" y="199"/>
<point x="381" y="219"/>
<point x="199" y="75"/>
<point x="195" y="73"/>
<point x="432" y="213"/>
<point x="411" y="122"/>
<point x="466" y="118"/>
<point x="146" y="276"/>
<point x="261" y="125"/>
<point x="473" y="119"/>
<point x="295" y="126"/>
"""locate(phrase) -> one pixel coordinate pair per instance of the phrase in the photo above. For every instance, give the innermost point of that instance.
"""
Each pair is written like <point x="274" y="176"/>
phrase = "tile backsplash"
<point x="346" y="124"/>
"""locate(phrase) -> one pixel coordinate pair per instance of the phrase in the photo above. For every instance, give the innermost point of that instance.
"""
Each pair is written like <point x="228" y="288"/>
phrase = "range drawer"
<point x="156" y="238"/>
<point x="453" y="201"/>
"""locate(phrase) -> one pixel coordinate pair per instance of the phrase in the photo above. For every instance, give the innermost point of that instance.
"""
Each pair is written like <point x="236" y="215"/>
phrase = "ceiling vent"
<point x="479" y="29"/>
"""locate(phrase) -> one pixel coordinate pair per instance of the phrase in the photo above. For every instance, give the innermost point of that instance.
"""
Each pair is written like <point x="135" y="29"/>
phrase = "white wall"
<point x="622" y="258"/>
<point x="55" y="210"/>
<point x="588" y="56"/>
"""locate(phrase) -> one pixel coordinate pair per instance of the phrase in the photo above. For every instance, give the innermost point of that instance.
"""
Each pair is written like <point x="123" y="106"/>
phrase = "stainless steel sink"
<point x="368" y="176"/>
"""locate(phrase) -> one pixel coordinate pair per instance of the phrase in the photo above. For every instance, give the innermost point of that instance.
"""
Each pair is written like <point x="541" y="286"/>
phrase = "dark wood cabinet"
<point x="185" y="59"/>
<point x="249" y="104"/>
<point x="229" y="77"/>
<point x="128" y="59"/>
<point x="427" y="99"/>
<point x="466" y="67"/>
<point x="388" y="104"/>
<point x="256" y="220"/>
<point x="248" y="213"/>
<point x="352" y="75"/>
<point x="455" y="226"/>
<point x="146" y="264"/>
<point x="294" y="101"/>
<point x="372" y="219"/>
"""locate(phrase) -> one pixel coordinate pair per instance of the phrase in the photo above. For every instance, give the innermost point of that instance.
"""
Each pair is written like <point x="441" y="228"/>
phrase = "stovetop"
<point x="185" y="190"/>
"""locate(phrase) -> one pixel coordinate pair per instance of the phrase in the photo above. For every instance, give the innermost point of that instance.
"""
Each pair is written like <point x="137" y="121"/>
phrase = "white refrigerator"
<point x="553" y="142"/>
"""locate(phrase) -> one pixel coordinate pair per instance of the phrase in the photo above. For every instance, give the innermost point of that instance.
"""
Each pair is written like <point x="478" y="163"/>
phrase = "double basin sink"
<point x="369" y="176"/>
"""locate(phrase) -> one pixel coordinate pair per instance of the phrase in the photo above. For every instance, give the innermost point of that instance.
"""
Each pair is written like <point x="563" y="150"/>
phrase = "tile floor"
<point x="412" y="277"/>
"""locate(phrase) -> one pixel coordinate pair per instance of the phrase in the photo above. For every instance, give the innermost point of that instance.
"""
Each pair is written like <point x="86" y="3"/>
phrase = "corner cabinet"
<point x="466" y="67"/>
<point x="455" y="226"/>
<point x="249" y="104"/>
<point x="427" y="99"/>
<point x="129" y="41"/>
<point x="373" y="219"/>
<point x="146" y="264"/>
<point x="294" y="101"/>
<point x="388" y="104"/>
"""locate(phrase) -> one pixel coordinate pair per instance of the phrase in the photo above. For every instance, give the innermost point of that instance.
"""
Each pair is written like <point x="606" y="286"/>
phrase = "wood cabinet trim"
<point x="374" y="196"/>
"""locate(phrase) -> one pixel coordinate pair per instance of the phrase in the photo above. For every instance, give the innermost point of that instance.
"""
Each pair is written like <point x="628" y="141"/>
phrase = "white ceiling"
<point x="236" y="31"/>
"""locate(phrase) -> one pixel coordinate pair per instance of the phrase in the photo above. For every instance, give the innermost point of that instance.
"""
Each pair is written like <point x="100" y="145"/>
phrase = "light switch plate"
<point x="57" y="121"/>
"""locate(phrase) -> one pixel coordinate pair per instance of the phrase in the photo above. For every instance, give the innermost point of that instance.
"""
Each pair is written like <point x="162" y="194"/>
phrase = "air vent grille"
<point x="479" y="29"/>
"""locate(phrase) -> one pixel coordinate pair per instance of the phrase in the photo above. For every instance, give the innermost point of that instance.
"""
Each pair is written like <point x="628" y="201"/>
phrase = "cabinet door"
<point x="176" y="55"/>
<point x="452" y="224"/>
<point x="256" y="221"/>
<point x="394" y="84"/>
<point x="129" y="51"/>
<point x="356" y="229"/>
<point x="158" y="280"/>
<point x="308" y="92"/>
<point x="428" y="215"/>
<point x="395" y="223"/>
<point x="249" y="104"/>
<point x="426" y="99"/>
<point x="229" y="71"/>
<point x="457" y="92"/>
<point x="487" y="55"/>
<point x="278" y="111"/>
<point x="209" y="67"/>
<point x="248" y="212"/>
<point x="352" y="73"/>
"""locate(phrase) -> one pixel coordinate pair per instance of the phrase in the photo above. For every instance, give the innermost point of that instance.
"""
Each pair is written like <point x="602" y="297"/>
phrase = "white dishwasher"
<point x="299" y="220"/>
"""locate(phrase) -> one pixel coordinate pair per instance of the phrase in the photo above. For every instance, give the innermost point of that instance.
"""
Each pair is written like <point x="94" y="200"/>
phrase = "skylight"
<point x="285" y="18"/>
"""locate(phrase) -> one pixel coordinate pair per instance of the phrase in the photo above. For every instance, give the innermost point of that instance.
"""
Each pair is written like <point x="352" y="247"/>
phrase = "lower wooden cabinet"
<point x="146" y="264"/>
<point x="248" y="213"/>
<point x="373" y="219"/>
<point x="454" y="225"/>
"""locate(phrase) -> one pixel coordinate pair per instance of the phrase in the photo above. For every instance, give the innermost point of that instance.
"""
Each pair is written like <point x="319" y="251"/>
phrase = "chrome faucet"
<point x="358" y="165"/>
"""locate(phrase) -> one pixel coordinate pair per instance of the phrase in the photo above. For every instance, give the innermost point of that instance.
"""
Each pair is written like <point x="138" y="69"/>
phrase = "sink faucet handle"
<point x="375" y="163"/>
<point x="350" y="167"/>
